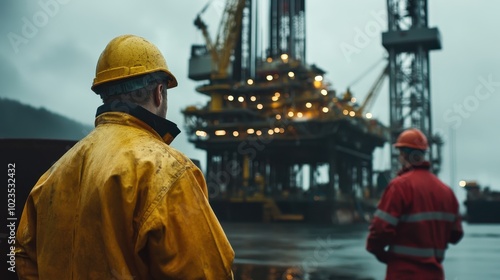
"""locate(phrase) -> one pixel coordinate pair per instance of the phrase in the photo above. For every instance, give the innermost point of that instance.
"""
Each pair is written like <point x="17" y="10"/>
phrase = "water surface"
<point x="317" y="252"/>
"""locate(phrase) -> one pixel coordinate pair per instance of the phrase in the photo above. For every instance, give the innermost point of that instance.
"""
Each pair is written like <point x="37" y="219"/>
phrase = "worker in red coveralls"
<point x="416" y="218"/>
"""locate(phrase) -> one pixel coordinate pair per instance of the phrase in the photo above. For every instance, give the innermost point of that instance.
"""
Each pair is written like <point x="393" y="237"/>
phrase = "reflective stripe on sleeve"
<point x="429" y="216"/>
<point x="386" y="217"/>
<point x="417" y="252"/>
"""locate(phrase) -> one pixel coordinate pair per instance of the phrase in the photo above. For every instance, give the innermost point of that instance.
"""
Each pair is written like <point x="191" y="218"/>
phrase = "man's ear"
<point x="157" y="94"/>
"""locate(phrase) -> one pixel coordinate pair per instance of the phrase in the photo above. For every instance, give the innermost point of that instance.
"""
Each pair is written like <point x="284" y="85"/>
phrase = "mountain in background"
<point x="18" y="120"/>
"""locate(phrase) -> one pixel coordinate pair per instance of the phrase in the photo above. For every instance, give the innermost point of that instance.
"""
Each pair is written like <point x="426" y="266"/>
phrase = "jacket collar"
<point x="424" y="165"/>
<point x="165" y="128"/>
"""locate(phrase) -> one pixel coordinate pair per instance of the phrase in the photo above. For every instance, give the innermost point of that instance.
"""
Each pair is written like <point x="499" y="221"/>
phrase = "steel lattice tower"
<point x="408" y="41"/>
<point x="287" y="29"/>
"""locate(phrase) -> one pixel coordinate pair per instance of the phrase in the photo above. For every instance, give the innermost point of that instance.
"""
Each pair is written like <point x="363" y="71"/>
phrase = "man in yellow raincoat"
<point x="122" y="203"/>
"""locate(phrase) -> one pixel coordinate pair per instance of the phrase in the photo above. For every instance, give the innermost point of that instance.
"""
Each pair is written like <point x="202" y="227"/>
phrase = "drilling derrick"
<point x="288" y="25"/>
<point x="409" y="41"/>
<point x="280" y="143"/>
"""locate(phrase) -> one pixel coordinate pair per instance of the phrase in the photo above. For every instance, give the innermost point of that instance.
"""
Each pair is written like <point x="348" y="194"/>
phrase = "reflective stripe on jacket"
<point x="122" y="204"/>
<point x="416" y="218"/>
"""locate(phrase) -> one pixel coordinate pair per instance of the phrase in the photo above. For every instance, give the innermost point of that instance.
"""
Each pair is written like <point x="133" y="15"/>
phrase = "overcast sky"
<point x="49" y="49"/>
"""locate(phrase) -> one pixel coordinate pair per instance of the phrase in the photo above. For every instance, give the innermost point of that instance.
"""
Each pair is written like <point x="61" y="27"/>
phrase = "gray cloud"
<point x="10" y="74"/>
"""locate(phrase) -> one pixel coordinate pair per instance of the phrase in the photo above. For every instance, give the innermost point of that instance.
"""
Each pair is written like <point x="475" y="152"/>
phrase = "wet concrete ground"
<point x="316" y="252"/>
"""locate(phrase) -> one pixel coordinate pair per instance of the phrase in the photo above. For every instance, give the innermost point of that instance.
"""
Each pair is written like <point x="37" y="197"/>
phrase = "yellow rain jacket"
<point x="122" y="204"/>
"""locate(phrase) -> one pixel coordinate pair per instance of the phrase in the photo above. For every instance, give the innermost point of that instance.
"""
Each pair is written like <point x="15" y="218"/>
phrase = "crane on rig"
<point x="348" y="102"/>
<point x="373" y="93"/>
<point x="220" y="50"/>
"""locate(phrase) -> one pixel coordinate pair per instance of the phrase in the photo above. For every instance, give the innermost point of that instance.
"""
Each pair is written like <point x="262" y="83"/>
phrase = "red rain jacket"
<point x="416" y="218"/>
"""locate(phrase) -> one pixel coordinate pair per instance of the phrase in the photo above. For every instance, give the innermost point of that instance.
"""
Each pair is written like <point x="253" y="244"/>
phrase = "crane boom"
<point x="372" y="94"/>
<point x="227" y="35"/>
<point x="231" y="27"/>
<point x="200" y="24"/>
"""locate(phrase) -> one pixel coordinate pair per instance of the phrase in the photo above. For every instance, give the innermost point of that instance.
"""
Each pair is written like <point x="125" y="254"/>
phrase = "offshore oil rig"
<point x="281" y="144"/>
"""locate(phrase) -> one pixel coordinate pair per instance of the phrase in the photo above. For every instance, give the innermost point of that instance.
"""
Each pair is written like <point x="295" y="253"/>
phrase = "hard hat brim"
<point x="98" y="87"/>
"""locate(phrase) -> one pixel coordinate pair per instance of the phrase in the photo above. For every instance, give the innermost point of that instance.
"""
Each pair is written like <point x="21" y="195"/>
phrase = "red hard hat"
<point x="412" y="138"/>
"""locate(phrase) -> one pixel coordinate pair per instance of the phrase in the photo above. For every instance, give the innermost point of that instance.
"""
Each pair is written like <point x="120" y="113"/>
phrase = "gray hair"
<point x="137" y="90"/>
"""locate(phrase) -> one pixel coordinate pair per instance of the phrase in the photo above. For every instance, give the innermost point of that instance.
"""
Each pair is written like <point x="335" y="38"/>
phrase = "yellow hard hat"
<point x="129" y="56"/>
